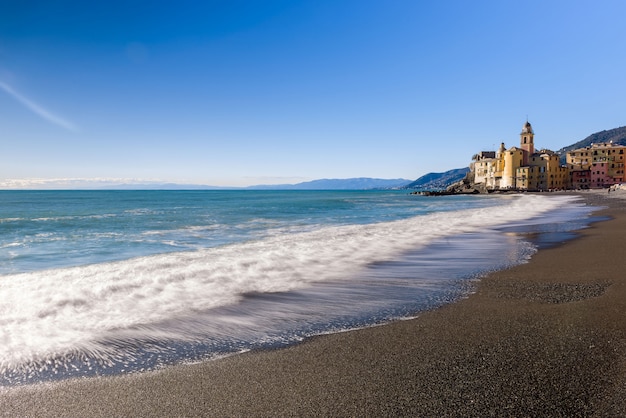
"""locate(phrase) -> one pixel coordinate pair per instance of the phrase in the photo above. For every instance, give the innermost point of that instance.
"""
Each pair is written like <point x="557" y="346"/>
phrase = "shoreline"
<point x="542" y="338"/>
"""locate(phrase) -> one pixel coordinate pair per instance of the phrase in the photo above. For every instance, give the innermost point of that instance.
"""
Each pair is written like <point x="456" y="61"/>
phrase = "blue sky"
<point x="266" y="92"/>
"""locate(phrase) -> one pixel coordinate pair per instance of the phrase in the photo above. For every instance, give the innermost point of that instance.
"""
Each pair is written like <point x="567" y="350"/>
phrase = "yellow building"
<point x="520" y="168"/>
<point x="513" y="159"/>
<point x="543" y="172"/>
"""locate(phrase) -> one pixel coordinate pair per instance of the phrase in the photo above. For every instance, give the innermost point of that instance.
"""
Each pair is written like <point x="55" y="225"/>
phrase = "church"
<point x="520" y="168"/>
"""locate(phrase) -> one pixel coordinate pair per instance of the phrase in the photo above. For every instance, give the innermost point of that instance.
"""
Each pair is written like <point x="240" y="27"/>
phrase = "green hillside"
<point x="438" y="181"/>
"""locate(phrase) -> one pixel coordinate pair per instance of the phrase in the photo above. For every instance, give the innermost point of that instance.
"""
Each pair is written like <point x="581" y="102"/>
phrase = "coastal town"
<point x="523" y="168"/>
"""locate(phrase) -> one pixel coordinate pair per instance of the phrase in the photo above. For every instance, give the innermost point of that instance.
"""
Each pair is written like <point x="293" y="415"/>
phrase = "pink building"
<point x="599" y="178"/>
<point x="580" y="179"/>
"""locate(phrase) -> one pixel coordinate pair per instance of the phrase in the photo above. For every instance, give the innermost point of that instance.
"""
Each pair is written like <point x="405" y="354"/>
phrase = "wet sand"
<point x="547" y="338"/>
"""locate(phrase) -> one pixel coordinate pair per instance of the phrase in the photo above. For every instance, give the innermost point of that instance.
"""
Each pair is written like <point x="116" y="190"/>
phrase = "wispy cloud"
<point x="37" y="109"/>
<point x="72" y="183"/>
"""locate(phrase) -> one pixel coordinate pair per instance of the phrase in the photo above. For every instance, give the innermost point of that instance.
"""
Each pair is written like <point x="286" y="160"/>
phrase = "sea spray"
<point x="273" y="287"/>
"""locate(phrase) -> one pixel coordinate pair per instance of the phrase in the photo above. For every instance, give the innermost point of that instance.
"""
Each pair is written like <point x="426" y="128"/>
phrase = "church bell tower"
<point x="527" y="139"/>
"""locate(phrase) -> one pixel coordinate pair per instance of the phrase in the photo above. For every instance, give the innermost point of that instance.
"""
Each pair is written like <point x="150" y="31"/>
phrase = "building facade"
<point x="599" y="165"/>
<point x="523" y="168"/>
<point x="520" y="168"/>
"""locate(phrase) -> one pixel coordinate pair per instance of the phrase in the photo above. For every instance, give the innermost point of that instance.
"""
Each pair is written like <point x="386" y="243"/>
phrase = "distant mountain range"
<point x="430" y="181"/>
<point x="360" y="183"/>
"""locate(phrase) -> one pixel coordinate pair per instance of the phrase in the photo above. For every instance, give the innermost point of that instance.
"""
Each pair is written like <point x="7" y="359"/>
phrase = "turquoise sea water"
<point x="105" y="282"/>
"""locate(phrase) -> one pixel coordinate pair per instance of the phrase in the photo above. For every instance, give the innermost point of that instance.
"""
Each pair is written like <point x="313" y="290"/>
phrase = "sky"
<point x="237" y="93"/>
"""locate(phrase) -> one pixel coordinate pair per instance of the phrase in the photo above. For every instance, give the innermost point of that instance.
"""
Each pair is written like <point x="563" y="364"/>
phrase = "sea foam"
<point x="97" y="311"/>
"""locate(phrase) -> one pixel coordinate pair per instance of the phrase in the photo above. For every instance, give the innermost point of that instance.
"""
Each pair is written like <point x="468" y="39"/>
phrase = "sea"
<point x="98" y="283"/>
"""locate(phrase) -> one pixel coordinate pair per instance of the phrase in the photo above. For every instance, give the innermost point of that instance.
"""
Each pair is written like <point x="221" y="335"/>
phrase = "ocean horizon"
<point x="107" y="282"/>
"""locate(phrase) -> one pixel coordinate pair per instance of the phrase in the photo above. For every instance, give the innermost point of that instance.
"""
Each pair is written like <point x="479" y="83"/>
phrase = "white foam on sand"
<point x="52" y="313"/>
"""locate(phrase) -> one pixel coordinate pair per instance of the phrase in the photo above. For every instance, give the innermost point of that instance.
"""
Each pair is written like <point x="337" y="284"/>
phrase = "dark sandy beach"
<point x="546" y="338"/>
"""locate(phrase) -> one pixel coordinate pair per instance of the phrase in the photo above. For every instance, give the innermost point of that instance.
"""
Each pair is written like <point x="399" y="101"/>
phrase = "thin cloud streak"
<point x="72" y="183"/>
<point x="37" y="109"/>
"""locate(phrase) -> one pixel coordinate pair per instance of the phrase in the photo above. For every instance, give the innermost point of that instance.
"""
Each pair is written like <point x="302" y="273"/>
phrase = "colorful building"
<point x="599" y="165"/>
<point x="520" y="168"/>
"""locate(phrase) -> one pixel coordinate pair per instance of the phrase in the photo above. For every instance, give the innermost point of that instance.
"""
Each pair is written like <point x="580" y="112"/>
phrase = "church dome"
<point x="527" y="129"/>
